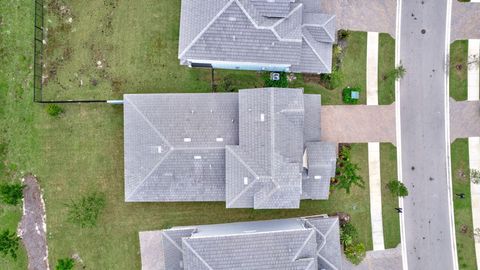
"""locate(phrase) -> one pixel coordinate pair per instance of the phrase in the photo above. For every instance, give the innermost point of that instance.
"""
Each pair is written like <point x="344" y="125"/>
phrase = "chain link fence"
<point x="38" y="52"/>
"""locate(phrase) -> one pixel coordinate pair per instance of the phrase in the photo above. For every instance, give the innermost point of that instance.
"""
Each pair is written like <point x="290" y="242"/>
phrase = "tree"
<point x="399" y="72"/>
<point x="65" y="264"/>
<point x="11" y="193"/>
<point x="355" y="253"/>
<point x="86" y="211"/>
<point x="9" y="243"/>
<point x="397" y="188"/>
<point x="347" y="172"/>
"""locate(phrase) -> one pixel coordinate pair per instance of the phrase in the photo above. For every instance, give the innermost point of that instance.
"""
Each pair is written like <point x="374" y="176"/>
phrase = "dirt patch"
<point x="33" y="226"/>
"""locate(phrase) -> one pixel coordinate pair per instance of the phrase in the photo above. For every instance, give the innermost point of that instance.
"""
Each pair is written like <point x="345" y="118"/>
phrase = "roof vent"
<point x="219" y="139"/>
<point x="262" y="117"/>
<point x="159" y="148"/>
<point x="245" y="181"/>
<point x="193" y="111"/>
<point x="317" y="177"/>
<point x="232" y="19"/>
<point x="233" y="37"/>
<point x="187" y="139"/>
<point x="197" y="157"/>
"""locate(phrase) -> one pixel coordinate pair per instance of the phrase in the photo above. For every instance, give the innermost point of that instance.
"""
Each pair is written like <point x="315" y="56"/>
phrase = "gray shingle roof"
<point x="245" y="148"/>
<point x="297" y="243"/>
<point x="322" y="158"/>
<point x="256" y="31"/>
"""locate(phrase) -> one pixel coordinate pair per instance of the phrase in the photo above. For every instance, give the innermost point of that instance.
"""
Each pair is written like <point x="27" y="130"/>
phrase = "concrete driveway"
<point x="464" y="119"/>
<point x="363" y="15"/>
<point x="465" y="21"/>
<point x="358" y="123"/>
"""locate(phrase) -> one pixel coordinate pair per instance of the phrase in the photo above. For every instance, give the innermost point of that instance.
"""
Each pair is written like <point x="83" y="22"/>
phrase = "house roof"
<point x="257" y="31"/>
<point x="296" y="243"/>
<point x="245" y="148"/>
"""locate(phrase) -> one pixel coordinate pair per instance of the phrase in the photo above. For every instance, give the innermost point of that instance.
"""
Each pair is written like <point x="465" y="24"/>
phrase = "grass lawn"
<point x="82" y="151"/>
<point x="459" y="70"/>
<point x="386" y="63"/>
<point x="391" y="219"/>
<point x="462" y="207"/>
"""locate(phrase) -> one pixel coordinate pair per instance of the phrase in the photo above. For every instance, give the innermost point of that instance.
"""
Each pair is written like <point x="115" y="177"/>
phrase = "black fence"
<point x="38" y="60"/>
<point x="38" y="52"/>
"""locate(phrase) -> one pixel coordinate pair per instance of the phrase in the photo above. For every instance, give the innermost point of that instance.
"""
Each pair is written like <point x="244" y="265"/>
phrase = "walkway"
<point x="358" y="123"/>
<point x="423" y="39"/>
<point x="389" y="259"/>
<point x="33" y="228"/>
<point x="151" y="250"/>
<point x="474" y="142"/>
<point x="363" y="15"/>
<point x="375" y="183"/>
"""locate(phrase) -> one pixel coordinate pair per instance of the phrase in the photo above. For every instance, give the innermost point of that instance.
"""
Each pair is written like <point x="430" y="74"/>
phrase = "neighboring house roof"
<point x="257" y="31"/>
<point x="245" y="148"/>
<point x="295" y="243"/>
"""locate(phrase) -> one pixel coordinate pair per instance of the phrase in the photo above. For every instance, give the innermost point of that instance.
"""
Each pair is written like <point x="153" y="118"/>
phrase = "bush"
<point x="85" y="212"/>
<point x="347" y="172"/>
<point x="65" y="264"/>
<point x="397" y="188"/>
<point x="11" y="193"/>
<point x="343" y="34"/>
<point x="9" y="242"/>
<point x="347" y="95"/>
<point x="54" y="110"/>
<point x="282" y="83"/>
<point x="355" y="253"/>
<point x="348" y="234"/>
<point x="332" y="80"/>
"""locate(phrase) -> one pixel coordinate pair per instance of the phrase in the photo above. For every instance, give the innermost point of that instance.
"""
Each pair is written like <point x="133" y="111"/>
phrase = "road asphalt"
<point x="428" y="233"/>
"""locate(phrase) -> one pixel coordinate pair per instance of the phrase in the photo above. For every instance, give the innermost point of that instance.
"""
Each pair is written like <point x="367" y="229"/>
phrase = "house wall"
<point x="241" y="65"/>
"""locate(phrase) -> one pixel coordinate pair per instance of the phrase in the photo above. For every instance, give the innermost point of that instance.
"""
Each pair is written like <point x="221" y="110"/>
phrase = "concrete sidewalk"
<point x="474" y="142"/>
<point x="375" y="183"/>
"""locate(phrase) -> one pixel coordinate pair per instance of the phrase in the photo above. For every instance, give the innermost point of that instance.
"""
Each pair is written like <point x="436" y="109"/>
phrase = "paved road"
<point x="427" y="222"/>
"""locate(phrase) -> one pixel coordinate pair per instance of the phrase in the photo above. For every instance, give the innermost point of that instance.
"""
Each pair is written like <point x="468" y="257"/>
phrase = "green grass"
<point x="82" y="151"/>
<point x="462" y="207"/>
<point x="391" y="219"/>
<point x="459" y="70"/>
<point x="386" y="63"/>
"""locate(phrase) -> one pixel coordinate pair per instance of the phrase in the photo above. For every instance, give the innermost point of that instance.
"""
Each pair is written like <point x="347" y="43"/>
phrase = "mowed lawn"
<point x="386" y="64"/>
<point x="391" y="219"/>
<point x="82" y="151"/>
<point x="459" y="70"/>
<point x="463" y="207"/>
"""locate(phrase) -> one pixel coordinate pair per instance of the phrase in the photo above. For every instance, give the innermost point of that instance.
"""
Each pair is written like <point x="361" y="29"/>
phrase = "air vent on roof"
<point x="160" y="149"/>
<point x="232" y="19"/>
<point x="262" y="117"/>
<point x="233" y="37"/>
<point x="197" y="157"/>
<point x="187" y="139"/>
<point x="245" y="180"/>
<point x="317" y="177"/>
<point x="219" y="139"/>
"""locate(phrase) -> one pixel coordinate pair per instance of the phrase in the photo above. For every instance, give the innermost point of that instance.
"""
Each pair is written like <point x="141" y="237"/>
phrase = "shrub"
<point x="332" y="80"/>
<point x="11" y="193"/>
<point x="397" y="188"/>
<point x="355" y="253"/>
<point x="65" y="264"/>
<point x="347" y="172"/>
<point x="9" y="243"/>
<point x="348" y="234"/>
<point x="85" y="212"/>
<point x="347" y="95"/>
<point x="282" y="83"/>
<point x="343" y="34"/>
<point x="54" y="110"/>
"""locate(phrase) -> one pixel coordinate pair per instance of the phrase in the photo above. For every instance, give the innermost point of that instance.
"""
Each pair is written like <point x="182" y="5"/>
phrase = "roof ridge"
<point x="312" y="233"/>
<point x="150" y="173"/>
<point x="313" y="50"/>
<point x="171" y="241"/>
<point x="184" y="241"/>
<point x="327" y="261"/>
<point x="205" y="29"/>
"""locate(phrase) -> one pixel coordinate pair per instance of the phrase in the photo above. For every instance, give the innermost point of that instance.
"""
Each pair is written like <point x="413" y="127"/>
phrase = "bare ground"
<point x="32" y="228"/>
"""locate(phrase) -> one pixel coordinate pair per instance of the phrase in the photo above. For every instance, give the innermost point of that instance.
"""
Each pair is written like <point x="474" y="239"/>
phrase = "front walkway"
<point x="389" y="259"/>
<point x="358" y="123"/>
<point x="375" y="183"/>
<point x="474" y="142"/>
